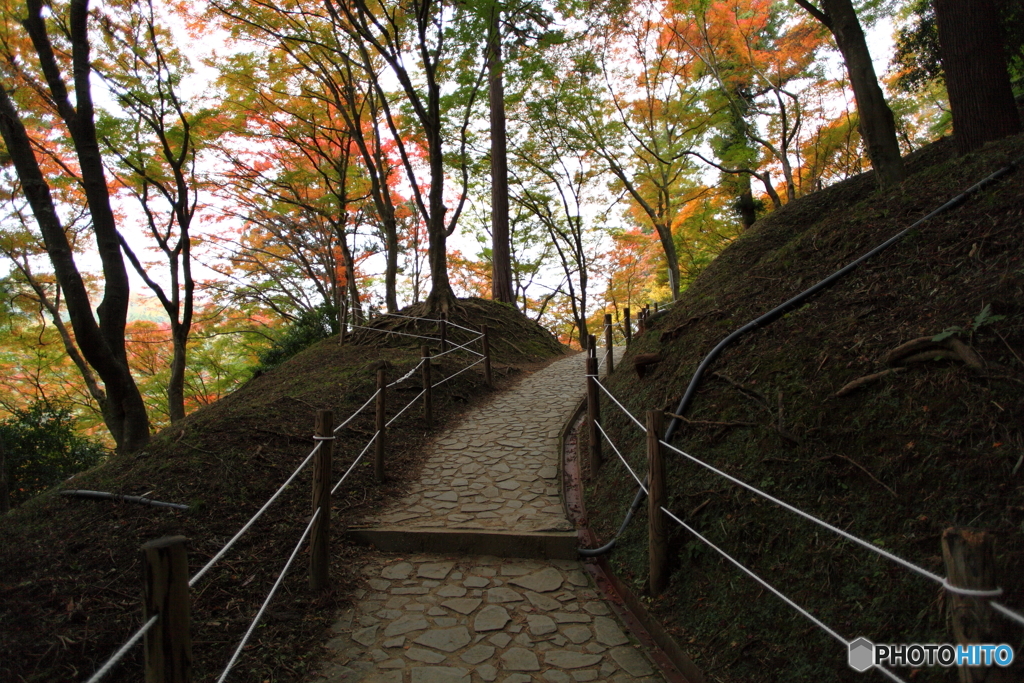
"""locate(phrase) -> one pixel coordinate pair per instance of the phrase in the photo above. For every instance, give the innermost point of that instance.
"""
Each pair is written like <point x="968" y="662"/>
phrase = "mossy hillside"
<point x="895" y="462"/>
<point x="69" y="593"/>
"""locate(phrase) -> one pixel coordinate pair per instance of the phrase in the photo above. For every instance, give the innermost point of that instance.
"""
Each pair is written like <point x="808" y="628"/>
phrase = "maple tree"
<point x="33" y="79"/>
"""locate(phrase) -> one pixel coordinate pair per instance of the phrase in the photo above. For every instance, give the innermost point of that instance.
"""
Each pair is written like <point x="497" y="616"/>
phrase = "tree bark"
<point x="971" y="50"/>
<point x="877" y="125"/>
<point x="101" y="345"/>
<point x="501" y="257"/>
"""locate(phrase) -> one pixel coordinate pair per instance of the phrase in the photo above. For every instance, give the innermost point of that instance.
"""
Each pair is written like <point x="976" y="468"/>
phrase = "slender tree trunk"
<point x="391" y="267"/>
<point x="176" y="383"/>
<point x="668" y="245"/>
<point x="441" y="298"/>
<point x="877" y="125"/>
<point x="745" y="205"/>
<point x="501" y="257"/>
<point x="980" y="95"/>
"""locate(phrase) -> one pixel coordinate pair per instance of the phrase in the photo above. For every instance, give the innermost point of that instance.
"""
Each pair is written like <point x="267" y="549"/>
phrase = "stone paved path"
<point x="470" y="619"/>
<point x="498" y="469"/>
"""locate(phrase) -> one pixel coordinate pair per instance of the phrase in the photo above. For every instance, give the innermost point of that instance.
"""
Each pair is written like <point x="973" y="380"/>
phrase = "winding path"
<point x="451" y="618"/>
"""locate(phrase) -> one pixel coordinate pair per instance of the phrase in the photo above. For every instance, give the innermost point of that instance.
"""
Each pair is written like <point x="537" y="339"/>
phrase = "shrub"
<point x="41" y="449"/>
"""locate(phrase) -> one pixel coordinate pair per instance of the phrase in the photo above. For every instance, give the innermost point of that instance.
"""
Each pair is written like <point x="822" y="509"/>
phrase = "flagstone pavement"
<point x="468" y="619"/>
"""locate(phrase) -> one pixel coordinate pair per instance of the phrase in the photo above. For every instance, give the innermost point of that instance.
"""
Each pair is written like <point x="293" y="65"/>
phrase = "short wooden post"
<point x="593" y="416"/>
<point x="629" y="328"/>
<point x="443" y="325"/>
<point x="378" y="446"/>
<point x="640" y="322"/>
<point x="486" y="339"/>
<point x="320" y="534"/>
<point x="609" y="349"/>
<point x="657" y="529"/>
<point x="168" y="644"/>
<point x="655" y="306"/>
<point x="969" y="555"/>
<point x="428" y="402"/>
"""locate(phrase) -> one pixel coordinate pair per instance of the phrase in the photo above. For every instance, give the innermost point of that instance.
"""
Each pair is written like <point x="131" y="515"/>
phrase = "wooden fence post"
<point x="592" y="346"/>
<point x="428" y="401"/>
<point x="629" y="328"/>
<point x="320" y="534"/>
<point x="655" y="306"/>
<point x="443" y="325"/>
<point x="657" y="529"/>
<point x="378" y="446"/>
<point x="593" y="416"/>
<point x="969" y="556"/>
<point x="487" y="355"/>
<point x="168" y="644"/>
<point x="640" y="322"/>
<point x="610" y="350"/>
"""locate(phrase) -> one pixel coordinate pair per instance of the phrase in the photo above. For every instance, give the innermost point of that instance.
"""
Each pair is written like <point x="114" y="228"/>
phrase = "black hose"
<point x="776" y="313"/>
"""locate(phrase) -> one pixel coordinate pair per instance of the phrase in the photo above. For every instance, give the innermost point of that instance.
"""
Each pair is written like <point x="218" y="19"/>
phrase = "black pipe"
<point x="776" y="313"/>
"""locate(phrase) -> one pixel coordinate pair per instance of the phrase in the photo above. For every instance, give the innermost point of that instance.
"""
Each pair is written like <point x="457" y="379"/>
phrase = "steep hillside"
<point x="69" y="590"/>
<point x="894" y="461"/>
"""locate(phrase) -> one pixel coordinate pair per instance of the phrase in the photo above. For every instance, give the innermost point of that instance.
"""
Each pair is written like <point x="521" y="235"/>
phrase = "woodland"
<point x="193" y="191"/>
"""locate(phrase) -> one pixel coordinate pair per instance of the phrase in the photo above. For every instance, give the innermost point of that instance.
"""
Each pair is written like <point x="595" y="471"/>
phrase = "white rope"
<point x="361" y="408"/>
<point x="354" y="463"/>
<point x="621" y="407"/>
<point x="407" y="406"/>
<point x="850" y="537"/>
<point x="1007" y="612"/>
<point x="970" y="592"/>
<point x="464" y="347"/>
<point x="323" y="438"/>
<point x="817" y="622"/>
<point x="610" y="443"/>
<point x="128" y="645"/>
<point x="253" y="519"/>
<point x="457" y="373"/>
<point x="270" y="596"/>
<point x="467" y="329"/>
<point x="408" y="374"/>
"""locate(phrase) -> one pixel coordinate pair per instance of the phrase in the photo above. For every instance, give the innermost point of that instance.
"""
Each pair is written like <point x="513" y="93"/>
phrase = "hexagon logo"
<point x="862" y="654"/>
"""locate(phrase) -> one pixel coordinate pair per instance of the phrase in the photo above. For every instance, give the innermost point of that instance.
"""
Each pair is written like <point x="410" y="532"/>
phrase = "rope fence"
<point x="166" y="558"/>
<point x="653" y="486"/>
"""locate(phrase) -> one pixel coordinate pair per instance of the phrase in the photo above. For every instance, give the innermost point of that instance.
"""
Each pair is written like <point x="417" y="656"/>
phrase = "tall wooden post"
<point x="629" y="328"/>
<point x="428" y="401"/>
<point x="320" y="534"/>
<point x="593" y="415"/>
<point x="657" y="529"/>
<point x="592" y="346"/>
<point x="378" y="446"/>
<point x="969" y="555"/>
<point x="487" y="355"/>
<point x="168" y="644"/>
<point x="609" y="349"/>
<point x="443" y="325"/>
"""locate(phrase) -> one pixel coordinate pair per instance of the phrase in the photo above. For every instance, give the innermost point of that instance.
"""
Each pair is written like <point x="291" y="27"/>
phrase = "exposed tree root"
<point x="867" y="379"/>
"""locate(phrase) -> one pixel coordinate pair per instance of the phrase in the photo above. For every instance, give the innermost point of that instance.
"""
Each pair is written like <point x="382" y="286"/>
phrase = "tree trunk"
<point x="501" y="258"/>
<point x="441" y="298"/>
<point x="391" y="268"/>
<point x="176" y="382"/>
<point x="745" y="205"/>
<point x="877" y="125"/>
<point x="980" y="95"/>
<point x="668" y="245"/>
<point x="102" y="344"/>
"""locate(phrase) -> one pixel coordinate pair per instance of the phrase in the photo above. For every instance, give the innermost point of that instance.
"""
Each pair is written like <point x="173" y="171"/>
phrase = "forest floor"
<point x="70" y="587"/>
<point x="894" y="460"/>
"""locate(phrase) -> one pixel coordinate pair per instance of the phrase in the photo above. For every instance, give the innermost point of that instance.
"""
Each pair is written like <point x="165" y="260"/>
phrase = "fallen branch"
<point x="864" y="470"/>
<point x="907" y="348"/>
<point x="102" y="495"/>
<point x="867" y="379"/>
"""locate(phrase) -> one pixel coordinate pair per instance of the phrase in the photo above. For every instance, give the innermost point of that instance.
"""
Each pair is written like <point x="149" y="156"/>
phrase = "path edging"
<point x="674" y="663"/>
